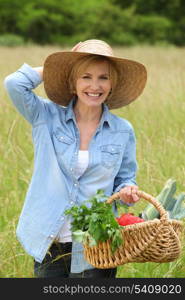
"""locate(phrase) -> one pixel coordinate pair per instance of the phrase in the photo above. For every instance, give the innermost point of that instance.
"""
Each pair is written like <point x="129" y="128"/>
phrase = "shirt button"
<point x="61" y="137"/>
<point x="75" y="184"/>
<point x="51" y="236"/>
<point x="72" y="202"/>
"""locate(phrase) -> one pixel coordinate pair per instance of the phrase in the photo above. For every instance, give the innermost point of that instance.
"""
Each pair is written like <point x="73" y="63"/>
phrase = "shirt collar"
<point x="70" y="113"/>
<point x="71" y="116"/>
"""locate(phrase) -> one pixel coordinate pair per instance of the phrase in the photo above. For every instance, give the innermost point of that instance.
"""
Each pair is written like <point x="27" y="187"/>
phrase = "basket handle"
<point x="149" y="198"/>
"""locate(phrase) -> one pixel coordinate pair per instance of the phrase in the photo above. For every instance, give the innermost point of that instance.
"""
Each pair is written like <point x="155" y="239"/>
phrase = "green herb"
<point x="95" y="222"/>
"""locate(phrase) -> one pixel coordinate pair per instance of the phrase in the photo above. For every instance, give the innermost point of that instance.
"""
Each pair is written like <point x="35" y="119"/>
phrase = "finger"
<point x="126" y="194"/>
<point x="128" y="191"/>
<point x="135" y="191"/>
<point x="135" y="198"/>
<point x="134" y="188"/>
<point x="129" y="194"/>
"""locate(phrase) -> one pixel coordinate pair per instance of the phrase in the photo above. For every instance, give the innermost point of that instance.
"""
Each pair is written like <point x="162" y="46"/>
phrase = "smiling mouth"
<point x="95" y="95"/>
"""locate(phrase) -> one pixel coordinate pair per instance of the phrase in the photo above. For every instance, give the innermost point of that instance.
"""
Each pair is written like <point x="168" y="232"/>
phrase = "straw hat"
<point x="132" y="75"/>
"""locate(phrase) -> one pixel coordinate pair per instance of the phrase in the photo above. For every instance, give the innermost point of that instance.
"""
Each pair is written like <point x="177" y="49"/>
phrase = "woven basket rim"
<point x="135" y="226"/>
<point x="148" y="222"/>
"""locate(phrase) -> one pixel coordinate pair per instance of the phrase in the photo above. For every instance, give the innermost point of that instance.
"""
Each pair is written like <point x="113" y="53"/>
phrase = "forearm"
<point x="19" y="86"/>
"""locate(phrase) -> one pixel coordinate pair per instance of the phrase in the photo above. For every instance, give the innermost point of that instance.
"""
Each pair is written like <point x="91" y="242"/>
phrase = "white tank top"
<point x="64" y="235"/>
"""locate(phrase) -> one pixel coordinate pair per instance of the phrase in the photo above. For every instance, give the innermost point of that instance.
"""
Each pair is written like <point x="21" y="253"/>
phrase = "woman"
<point x="79" y="147"/>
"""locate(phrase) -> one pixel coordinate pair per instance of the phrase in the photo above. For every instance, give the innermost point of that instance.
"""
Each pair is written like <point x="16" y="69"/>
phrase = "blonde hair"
<point x="83" y="62"/>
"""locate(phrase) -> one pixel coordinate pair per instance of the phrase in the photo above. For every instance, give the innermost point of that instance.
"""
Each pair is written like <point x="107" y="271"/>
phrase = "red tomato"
<point x="128" y="219"/>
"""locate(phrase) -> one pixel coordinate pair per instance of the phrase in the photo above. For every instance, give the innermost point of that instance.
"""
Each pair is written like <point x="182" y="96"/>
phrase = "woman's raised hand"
<point x="40" y="71"/>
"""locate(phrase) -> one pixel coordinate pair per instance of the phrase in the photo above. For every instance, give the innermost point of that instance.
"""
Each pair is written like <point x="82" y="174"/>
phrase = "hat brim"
<point x="131" y="78"/>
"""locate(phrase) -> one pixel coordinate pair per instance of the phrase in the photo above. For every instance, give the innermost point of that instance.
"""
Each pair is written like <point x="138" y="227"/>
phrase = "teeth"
<point x="93" y="95"/>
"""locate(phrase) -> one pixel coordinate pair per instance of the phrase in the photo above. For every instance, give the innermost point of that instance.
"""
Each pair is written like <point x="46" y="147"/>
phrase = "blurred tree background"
<point x="119" y="22"/>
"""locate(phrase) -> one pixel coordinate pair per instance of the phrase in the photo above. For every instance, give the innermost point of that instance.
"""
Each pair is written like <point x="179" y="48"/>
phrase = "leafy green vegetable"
<point x="95" y="223"/>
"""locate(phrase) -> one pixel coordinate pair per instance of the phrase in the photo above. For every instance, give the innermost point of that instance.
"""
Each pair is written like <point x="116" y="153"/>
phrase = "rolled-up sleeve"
<point x="127" y="172"/>
<point x="19" y="86"/>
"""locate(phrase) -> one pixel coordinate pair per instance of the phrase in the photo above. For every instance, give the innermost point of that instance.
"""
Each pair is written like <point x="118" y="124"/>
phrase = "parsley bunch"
<point x="95" y="223"/>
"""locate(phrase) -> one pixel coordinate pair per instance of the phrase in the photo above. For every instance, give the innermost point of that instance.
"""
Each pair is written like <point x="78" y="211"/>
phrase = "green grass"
<point x="158" y="119"/>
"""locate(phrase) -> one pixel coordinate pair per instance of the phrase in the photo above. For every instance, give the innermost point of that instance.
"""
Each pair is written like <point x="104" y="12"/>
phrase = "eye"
<point x="85" y="76"/>
<point x="104" y="77"/>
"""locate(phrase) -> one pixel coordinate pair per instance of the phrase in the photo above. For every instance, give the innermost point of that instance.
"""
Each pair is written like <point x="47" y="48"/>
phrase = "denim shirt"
<point x="53" y="187"/>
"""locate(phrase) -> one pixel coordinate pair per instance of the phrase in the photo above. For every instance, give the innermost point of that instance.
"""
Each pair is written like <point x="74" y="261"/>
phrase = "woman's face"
<point x="94" y="85"/>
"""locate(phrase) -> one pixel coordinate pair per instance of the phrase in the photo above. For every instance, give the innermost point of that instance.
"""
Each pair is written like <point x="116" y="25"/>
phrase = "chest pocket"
<point x="110" y="155"/>
<point x="61" y="141"/>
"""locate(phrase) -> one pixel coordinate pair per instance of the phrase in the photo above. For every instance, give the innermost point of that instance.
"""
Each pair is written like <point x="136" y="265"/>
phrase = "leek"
<point x="165" y="197"/>
<point x="174" y="206"/>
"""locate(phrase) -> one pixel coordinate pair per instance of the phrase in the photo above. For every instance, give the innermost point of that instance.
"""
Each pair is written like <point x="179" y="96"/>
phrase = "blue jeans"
<point x="57" y="263"/>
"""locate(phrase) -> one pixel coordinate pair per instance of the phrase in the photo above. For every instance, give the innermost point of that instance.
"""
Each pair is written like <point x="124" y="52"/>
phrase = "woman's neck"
<point x="84" y="113"/>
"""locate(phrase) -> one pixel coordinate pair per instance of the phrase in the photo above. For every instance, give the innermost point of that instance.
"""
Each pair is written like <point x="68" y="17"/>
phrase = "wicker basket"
<point x="156" y="240"/>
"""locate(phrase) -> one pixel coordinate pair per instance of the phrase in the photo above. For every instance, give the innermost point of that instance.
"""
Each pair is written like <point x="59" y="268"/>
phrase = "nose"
<point x="94" y="84"/>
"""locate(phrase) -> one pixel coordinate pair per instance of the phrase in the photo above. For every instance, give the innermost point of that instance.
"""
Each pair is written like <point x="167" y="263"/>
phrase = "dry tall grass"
<point x="158" y="119"/>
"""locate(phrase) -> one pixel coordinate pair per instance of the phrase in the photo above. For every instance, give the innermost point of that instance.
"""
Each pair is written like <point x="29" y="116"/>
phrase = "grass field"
<point x="158" y="118"/>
